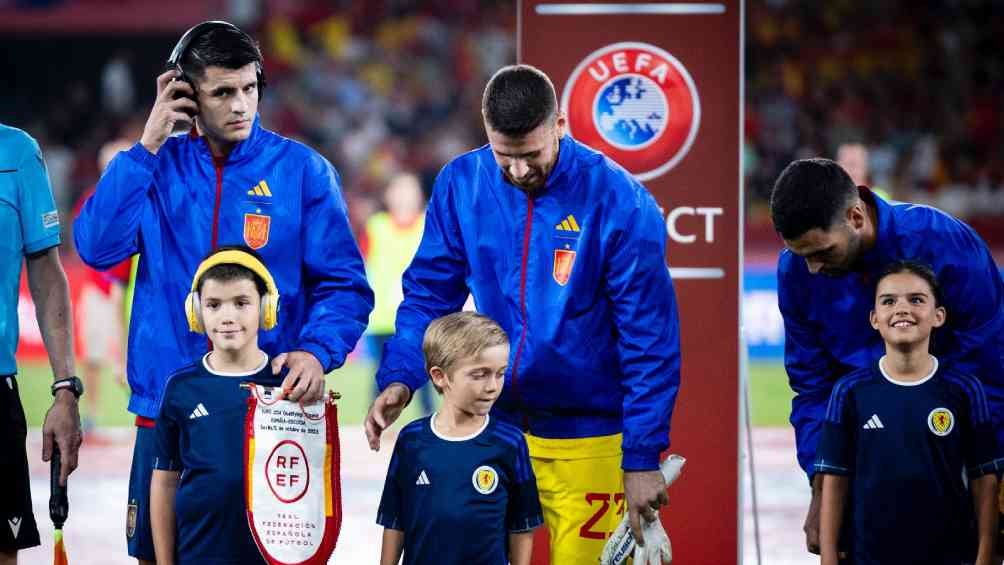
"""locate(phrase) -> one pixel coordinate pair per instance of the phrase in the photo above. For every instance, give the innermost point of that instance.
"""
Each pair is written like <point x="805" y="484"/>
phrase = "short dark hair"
<point x="227" y="272"/>
<point x="517" y="99"/>
<point x="922" y="270"/>
<point x="810" y="194"/>
<point x="221" y="46"/>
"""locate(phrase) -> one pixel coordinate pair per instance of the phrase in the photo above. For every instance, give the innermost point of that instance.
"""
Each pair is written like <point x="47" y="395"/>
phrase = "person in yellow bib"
<point x="392" y="237"/>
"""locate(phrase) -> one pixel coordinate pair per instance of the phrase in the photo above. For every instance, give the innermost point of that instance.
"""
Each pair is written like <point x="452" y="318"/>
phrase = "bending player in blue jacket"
<point x="839" y="237"/>
<point x="898" y="437"/>
<point x="461" y="473"/>
<point x="173" y="199"/>
<point x="567" y="252"/>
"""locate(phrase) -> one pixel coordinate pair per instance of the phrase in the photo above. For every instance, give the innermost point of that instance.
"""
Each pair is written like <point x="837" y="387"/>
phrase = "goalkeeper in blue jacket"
<point x="567" y="251"/>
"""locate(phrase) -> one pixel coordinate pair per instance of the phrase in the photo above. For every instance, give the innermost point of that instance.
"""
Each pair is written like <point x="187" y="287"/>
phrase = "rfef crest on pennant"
<point x="636" y="103"/>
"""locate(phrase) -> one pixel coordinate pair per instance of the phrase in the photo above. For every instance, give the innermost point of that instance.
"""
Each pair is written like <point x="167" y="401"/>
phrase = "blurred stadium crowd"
<point x="918" y="83"/>
<point x="379" y="88"/>
<point x="382" y="88"/>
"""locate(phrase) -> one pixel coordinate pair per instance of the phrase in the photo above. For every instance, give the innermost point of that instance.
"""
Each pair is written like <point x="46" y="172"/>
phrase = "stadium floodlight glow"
<point x="670" y="8"/>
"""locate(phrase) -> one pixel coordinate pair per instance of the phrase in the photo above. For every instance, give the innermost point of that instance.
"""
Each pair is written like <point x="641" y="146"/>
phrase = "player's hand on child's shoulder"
<point x="305" y="380"/>
<point x="384" y="411"/>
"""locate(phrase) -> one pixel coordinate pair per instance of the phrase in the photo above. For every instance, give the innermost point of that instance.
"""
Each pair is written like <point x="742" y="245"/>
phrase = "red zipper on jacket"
<point x="218" y="162"/>
<point x="522" y="305"/>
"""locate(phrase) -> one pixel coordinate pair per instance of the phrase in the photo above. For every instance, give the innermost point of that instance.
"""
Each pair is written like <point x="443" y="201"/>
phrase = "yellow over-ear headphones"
<point x="269" y="302"/>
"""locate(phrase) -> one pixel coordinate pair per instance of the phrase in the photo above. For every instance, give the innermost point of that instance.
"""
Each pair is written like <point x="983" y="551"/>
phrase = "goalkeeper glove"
<point x="620" y="545"/>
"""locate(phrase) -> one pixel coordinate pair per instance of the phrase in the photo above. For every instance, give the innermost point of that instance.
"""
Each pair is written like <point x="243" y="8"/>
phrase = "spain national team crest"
<point x="256" y="228"/>
<point x="131" y="512"/>
<point x="637" y="104"/>
<point x="485" y="479"/>
<point x="941" y="421"/>
<point x="563" y="261"/>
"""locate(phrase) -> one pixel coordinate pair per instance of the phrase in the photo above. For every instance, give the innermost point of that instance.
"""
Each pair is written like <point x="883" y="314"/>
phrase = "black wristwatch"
<point x="72" y="384"/>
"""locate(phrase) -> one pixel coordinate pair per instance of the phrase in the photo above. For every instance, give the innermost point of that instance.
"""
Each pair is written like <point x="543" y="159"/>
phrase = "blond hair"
<point x="459" y="336"/>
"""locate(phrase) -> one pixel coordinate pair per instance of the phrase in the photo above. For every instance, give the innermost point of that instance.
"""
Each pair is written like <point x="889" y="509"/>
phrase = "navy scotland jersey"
<point x="458" y="499"/>
<point x="200" y="432"/>
<point x="826" y="329"/>
<point x="905" y="447"/>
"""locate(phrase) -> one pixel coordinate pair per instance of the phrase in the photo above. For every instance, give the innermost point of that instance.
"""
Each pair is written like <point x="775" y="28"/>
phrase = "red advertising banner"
<point x="658" y="88"/>
<point x="30" y="347"/>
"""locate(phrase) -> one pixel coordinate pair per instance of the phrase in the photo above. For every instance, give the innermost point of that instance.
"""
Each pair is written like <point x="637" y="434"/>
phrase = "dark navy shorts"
<point x="17" y="524"/>
<point x="138" y="532"/>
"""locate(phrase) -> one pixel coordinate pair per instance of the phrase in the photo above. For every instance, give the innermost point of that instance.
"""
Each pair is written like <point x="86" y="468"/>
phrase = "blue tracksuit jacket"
<point x="576" y="276"/>
<point x="827" y="332"/>
<point x="273" y="194"/>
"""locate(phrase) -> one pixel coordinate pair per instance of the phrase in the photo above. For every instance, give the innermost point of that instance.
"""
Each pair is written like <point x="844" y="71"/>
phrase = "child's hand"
<point x="812" y="518"/>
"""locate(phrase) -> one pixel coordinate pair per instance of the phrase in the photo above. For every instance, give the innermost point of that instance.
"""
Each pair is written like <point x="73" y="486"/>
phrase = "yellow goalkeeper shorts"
<point x="581" y="488"/>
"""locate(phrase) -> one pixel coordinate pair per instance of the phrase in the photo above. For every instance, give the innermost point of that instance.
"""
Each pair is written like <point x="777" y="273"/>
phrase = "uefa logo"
<point x="637" y="104"/>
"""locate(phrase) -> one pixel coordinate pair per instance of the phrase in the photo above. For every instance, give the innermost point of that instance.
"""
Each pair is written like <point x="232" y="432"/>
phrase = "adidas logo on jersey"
<point x="423" y="479"/>
<point x="260" y="189"/>
<point x="199" y="412"/>
<point x="873" y="423"/>
<point x="568" y="224"/>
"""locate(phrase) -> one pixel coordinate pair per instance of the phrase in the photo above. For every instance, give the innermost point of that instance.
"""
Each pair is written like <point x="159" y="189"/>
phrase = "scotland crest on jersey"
<point x="636" y="103"/>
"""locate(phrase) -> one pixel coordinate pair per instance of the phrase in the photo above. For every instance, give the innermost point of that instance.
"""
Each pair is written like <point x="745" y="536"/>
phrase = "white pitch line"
<point x="696" y="273"/>
<point x="667" y="9"/>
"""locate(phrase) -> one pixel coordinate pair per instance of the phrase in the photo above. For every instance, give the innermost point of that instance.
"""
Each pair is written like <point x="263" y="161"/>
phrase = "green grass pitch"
<point x="354" y="381"/>
<point x="771" y="397"/>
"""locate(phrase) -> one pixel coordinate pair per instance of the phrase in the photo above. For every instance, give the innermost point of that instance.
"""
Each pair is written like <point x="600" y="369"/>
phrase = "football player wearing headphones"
<point x="201" y="518"/>
<point x="173" y="198"/>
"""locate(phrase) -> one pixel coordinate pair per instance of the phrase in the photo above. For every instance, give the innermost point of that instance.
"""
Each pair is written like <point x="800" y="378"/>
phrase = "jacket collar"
<point x="884" y="249"/>
<point x="566" y="148"/>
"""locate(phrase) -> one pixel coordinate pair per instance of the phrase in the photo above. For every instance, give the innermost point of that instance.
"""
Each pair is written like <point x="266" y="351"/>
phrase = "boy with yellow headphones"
<point x="197" y="507"/>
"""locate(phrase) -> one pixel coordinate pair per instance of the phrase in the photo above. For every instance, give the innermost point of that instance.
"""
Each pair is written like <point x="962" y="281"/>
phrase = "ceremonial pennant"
<point x="291" y="478"/>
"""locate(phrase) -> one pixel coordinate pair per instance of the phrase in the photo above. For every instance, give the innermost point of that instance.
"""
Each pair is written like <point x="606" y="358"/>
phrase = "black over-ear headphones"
<point x="178" y="53"/>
